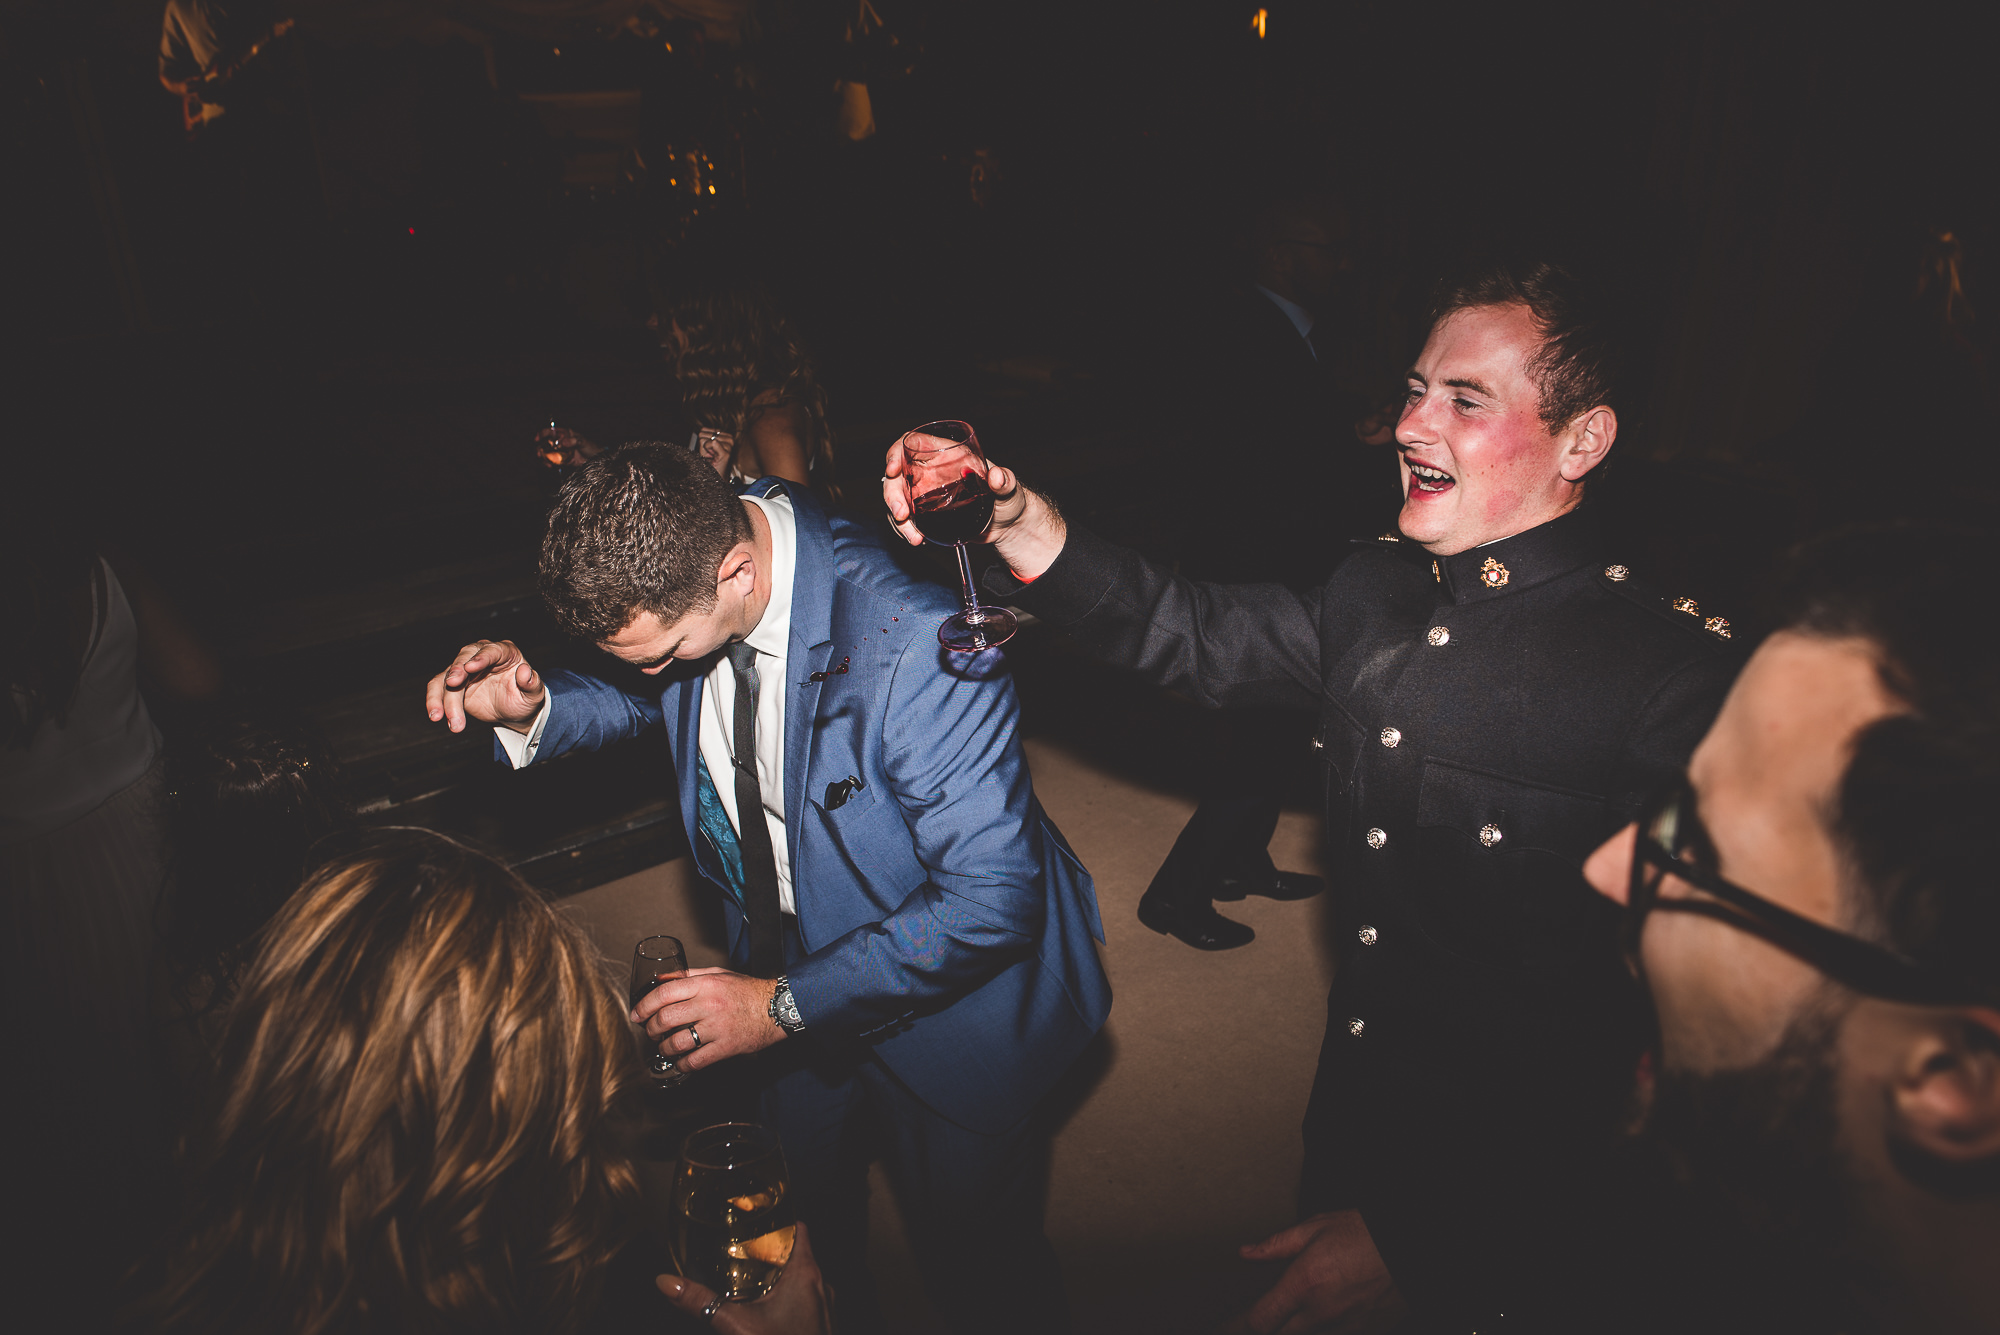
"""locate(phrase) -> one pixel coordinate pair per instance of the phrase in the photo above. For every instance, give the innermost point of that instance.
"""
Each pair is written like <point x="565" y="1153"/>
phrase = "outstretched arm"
<point x="1225" y="645"/>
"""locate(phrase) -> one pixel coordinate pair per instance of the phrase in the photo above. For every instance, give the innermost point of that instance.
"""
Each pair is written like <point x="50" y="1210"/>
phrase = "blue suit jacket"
<point x="949" y="922"/>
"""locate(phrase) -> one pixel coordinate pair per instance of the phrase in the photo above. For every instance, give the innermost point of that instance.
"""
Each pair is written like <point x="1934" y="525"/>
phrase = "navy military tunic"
<point x="1487" y="719"/>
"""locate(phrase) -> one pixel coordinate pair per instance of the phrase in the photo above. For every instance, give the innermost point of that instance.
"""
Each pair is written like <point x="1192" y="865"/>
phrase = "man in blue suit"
<point x="910" y="936"/>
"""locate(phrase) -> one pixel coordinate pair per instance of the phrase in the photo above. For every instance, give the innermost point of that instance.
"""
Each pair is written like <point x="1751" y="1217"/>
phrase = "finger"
<point x="1002" y="482"/>
<point x="685" y="1293"/>
<point x="666" y="994"/>
<point x="1270" y="1312"/>
<point x="434" y="698"/>
<point x="1280" y="1246"/>
<point x="528" y="682"/>
<point x="465" y="664"/>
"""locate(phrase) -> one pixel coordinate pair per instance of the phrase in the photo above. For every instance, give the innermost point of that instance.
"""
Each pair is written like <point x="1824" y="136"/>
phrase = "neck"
<point x="1936" y="1273"/>
<point x="759" y="600"/>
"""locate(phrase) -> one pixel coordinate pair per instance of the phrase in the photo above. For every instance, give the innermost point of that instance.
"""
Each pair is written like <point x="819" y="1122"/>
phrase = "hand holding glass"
<point x="952" y="505"/>
<point x="734" y="1225"/>
<point x="656" y="960"/>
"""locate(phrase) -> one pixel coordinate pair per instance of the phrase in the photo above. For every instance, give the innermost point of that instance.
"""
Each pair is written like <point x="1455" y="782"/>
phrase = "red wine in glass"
<point x="952" y="505"/>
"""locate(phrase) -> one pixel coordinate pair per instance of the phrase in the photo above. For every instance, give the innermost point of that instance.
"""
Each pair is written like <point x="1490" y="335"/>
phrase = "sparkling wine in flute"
<point x="952" y="505"/>
<point x="735" y="1223"/>
<point x="656" y="960"/>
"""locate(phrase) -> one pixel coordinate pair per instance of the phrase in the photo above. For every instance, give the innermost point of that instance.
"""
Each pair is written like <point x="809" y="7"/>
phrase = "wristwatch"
<point x="784" y="1011"/>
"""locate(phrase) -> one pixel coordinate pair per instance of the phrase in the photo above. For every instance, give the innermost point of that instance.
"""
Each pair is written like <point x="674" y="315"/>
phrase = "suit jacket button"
<point x="1490" y="835"/>
<point x="1391" y="736"/>
<point x="1369" y="936"/>
<point x="1355" y="1026"/>
<point x="1377" y="838"/>
<point x="1438" y="637"/>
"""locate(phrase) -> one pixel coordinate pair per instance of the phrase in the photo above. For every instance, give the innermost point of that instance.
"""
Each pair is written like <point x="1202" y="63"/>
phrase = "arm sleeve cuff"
<point x="1072" y="585"/>
<point x="521" y="749"/>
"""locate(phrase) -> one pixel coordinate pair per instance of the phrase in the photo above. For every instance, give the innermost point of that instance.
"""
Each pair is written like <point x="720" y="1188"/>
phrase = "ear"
<point x="1946" y="1100"/>
<point x="739" y="565"/>
<point x="1589" y="439"/>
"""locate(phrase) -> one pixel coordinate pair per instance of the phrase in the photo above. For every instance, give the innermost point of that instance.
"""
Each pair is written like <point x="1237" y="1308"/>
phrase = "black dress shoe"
<point x="1278" y="885"/>
<point x="1198" y="925"/>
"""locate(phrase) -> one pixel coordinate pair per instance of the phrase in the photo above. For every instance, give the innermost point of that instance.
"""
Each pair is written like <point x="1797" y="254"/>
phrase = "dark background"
<point x="312" y="420"/>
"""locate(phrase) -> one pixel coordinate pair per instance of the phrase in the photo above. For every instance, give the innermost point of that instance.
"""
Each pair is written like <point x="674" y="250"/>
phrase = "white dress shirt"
<point x="771" y="639"/>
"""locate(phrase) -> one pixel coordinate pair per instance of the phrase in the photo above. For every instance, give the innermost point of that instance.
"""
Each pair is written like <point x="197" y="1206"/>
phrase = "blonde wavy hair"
<point x="742" y="357"/>
<point x="410" y="1126"/>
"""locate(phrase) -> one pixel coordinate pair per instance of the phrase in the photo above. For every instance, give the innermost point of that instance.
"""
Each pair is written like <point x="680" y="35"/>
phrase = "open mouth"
<point x="1426" y="480"/>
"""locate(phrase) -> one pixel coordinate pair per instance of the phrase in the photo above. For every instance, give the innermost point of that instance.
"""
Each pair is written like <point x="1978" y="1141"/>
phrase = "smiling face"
<point x="1478" y="463"/>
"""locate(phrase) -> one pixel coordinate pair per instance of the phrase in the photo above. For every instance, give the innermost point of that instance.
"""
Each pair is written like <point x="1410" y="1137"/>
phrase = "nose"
<point x="1413" y="425"/>
<point x="1608" y="869"/>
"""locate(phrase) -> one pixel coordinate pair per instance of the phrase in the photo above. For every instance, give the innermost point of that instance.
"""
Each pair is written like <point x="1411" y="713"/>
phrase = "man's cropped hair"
<point x="1915" y="812"/>
<point x="1577" y="367"/>
<point x="643" y="528"/>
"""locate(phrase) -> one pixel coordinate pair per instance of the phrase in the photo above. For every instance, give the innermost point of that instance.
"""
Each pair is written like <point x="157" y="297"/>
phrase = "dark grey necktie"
<point x="753" y="834"/>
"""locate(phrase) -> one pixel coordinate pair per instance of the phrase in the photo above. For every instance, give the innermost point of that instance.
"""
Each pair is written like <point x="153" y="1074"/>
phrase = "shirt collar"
<point x="1522" y="561"/>
<point x="1301" y="318"/>
<point x="774" y="629"/>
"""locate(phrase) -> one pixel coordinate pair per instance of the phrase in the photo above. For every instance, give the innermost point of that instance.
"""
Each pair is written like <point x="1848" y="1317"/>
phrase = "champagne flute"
<point x="734" y="1225"/>
<point x="952" y="505"/>
<point x="656" y="960"/>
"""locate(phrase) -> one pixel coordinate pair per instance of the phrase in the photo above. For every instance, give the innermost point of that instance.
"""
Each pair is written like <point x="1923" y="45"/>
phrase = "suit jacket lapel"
<point x="682" y="701"/>
<point x="806" y="655"/>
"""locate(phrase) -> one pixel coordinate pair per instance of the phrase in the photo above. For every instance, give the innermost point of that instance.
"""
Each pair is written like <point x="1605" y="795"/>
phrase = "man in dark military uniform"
<point x="1496" y="695"/>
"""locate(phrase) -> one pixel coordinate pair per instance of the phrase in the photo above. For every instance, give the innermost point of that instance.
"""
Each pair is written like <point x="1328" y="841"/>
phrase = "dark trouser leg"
<point x="973" y="1204"/>
<point x="820" y="1110"/>
<point x="821" y="1118"/>
<point x="1252" y="756"/>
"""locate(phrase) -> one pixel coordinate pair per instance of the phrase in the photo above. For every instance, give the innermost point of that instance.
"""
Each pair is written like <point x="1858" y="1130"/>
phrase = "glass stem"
<point x="965" y="575"/>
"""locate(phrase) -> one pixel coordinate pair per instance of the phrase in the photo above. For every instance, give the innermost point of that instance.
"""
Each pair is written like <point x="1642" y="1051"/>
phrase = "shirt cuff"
<point x="521" y="750"/>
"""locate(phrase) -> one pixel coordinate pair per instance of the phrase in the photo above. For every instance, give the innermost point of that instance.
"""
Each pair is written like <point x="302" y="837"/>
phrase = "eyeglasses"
<point x="1672" y="841"/>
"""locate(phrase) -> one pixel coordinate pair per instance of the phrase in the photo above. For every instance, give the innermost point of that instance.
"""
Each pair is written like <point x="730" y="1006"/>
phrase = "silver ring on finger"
<point x="714" y="1306"/>
<point x="694" y="1034"/>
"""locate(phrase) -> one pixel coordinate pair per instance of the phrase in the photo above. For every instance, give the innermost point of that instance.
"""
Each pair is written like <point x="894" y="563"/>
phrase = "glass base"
<point x="978" y="629"/>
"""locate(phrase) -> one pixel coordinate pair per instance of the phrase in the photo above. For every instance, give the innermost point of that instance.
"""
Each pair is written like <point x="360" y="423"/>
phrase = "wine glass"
<point x="952" y="505"/>
<point x="734" y="1225"/>
<point x="655" y="960"/>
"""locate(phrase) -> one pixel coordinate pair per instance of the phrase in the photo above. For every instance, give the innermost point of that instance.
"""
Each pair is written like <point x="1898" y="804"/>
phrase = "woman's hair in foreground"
<point x="409" y="1130"/>
<point x="1915" y="807"/>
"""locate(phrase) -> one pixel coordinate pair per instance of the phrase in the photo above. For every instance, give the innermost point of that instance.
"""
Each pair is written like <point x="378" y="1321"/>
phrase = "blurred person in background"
<point x="1283" y="486"/>
<point x="747" y="387"/>
<point x="81" y="843"/>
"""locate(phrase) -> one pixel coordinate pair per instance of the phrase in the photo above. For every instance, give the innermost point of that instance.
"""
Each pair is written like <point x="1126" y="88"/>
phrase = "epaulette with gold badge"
<point x="1684" y="612"/>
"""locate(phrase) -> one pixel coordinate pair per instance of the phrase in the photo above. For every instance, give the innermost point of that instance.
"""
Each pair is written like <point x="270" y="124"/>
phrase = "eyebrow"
<point x="1476" y="386"/>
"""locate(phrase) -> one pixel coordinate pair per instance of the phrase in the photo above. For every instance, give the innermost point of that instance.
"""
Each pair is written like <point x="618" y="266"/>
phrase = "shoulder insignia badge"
<point x="1617" y="574"/>
<point x="1492" y="574"/>
<point x="1687" y="605"/>
<point x="1717" y="626"/>
<point x="1391" y="536"/>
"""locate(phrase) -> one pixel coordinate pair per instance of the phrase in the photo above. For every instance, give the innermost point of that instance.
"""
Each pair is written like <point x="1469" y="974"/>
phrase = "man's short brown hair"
<point x="643" y="528"/>
<point x="1577" y="367"/>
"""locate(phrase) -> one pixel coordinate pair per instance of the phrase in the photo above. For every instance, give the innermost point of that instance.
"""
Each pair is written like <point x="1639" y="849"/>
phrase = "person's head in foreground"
<point x="1508" y="408"/>
<point x="409" y="1129"/>
<point x="651" y="556"/>
<point x="1817" y="916"/>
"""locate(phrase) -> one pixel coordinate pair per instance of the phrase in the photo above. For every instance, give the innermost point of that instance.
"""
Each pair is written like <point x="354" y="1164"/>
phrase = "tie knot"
<point x="742" y="657"/>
